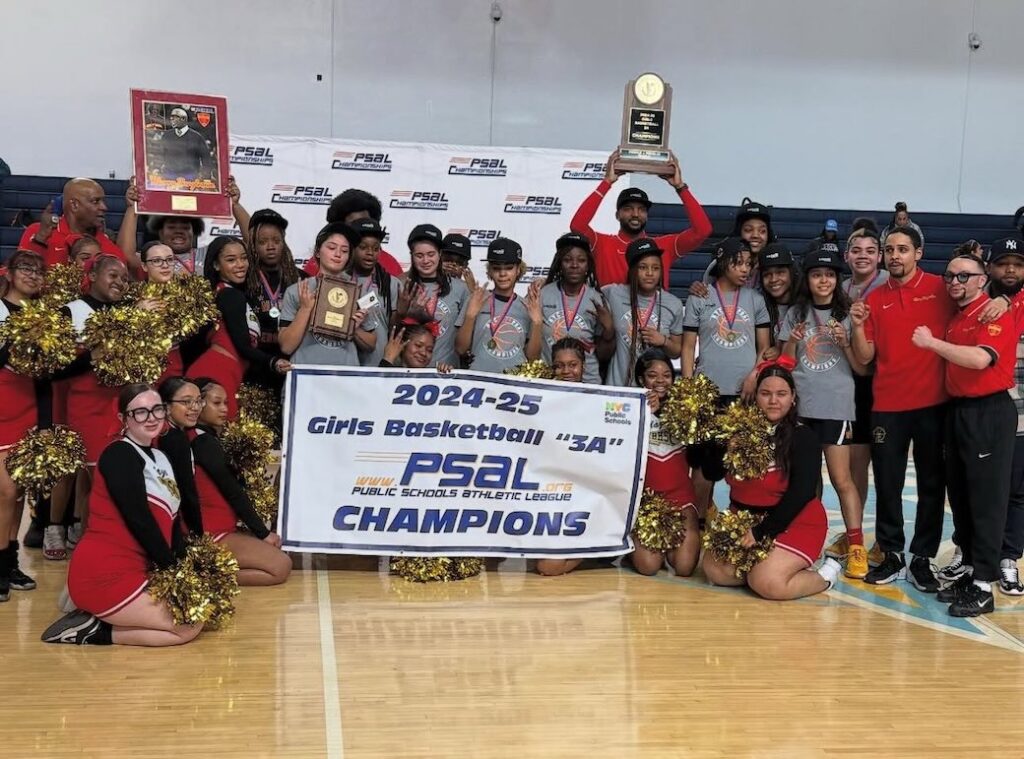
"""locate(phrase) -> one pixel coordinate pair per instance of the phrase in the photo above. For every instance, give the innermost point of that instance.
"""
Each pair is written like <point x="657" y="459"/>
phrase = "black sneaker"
<point x="75" y="628"/>
<point x="973" y="603"/>
<point x="21" y="581"/>
<point x="952" y="591"/>
<point x="33" y="536"/>
<point x="5" y="588"/>
<point x="891" y="569"/>
<point x="922" y="576"/>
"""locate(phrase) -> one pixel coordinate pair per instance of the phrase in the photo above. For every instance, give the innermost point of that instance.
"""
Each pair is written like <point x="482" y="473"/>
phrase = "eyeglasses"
<point x="160" y="261"/>
<point x="158" y="412"/>
<point x="29" y="270"/>
<point x="963" y="277"/>
<point x="191" y="402"/>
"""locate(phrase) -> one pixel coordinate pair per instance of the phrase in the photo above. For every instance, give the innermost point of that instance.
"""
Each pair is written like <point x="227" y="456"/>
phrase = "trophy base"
<point x="634" y="161"/>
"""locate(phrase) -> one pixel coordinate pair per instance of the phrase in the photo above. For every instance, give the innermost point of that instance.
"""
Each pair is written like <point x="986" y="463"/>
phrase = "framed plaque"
<point x="335" y="303"/>
<point x="646" y="112"/>
<point x="180" y="147"/>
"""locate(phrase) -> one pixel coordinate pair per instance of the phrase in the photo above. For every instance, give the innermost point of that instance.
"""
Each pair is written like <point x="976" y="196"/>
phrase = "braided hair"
<point x="289" y="271"/>
<point x="634" y="306"/>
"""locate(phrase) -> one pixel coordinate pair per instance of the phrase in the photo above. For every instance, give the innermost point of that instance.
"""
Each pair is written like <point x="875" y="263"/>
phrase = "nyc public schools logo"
<point x="545" y="204"/>
<point x="221" y="227"/>
<point x="581" y="170"/>
<point x="349" y="161"/>
<point x="306" y="195"/>
<point x="252" y="155"/>
<point x="478" y="238"/>
<point x="419" y="200"/>
<point x="616" y="412"/>
<point x="477" y="167"/>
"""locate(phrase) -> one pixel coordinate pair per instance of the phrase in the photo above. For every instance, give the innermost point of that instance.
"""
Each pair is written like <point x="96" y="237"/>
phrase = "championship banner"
<point x="398" y="461"/>
<point x="528" y="194"/>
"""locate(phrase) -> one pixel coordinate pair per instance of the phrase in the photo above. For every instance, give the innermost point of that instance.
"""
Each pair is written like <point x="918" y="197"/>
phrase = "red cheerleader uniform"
<point x="232" y="345"/>
<point x="794" y="516"/>
<point x="132" y="510"/>
<point x="90" y="409"/>
<point x="668" y="471"/>
<point x="18" y="411"/>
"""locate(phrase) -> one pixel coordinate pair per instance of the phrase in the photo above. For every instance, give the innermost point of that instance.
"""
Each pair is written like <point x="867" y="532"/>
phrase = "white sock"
<point x="986" y="586"/>
<point x="829" y="571"/>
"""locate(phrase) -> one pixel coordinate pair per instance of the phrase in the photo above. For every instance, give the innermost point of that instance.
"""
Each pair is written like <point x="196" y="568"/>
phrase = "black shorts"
<point x="863" y="398"/>
<point x="830" y="431"/>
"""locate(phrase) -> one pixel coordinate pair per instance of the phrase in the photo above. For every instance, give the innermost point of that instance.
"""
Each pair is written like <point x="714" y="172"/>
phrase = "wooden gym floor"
<point x="344" y="661"/>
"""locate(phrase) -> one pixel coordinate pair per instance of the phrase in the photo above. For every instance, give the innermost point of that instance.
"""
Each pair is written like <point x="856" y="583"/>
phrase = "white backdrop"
<point x="527" y="194"/>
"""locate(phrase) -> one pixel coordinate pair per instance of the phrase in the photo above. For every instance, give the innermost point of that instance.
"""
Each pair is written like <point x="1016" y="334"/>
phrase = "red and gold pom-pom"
<point x="722" y="538"/>
<point x="128" y="345"/>
<point x="43" y="458"/>
<point x="40" y="339"/>
<point x="689" y="409"/>
<point x="201" y="586"/>
<point x="63" y="284"/>
<point x="659" y="524"/>
<point x="749" y="440"/>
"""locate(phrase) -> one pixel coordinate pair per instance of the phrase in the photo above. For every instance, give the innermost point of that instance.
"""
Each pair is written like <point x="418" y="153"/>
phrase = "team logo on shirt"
<point x="556" y="321"/>
<point x="477" y="167"/>
<point x="728" y="337"/>
<point x="507" y="340"/>
<point x="252" y="155"/>
<point x="820" y="351"/>
<point x="626" y="333"/>
<point x="581" y="170"/>
<point x="348" y="161"/>
<point x="305" y="195"/>
<point x="544" y="204"/>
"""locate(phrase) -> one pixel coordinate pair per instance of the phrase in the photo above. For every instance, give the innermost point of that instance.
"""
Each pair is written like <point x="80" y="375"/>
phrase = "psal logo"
<point x="224" y="227"/>
<point x="478" y="238"/>
<point x="616" y="412"/>
<point x="348" y="161"/>
<point x="477" y="167"/>
<point x="546" y="204"/>
<point x="419" y="200"/>
<point x="252" y="155"/>
<point x="581" y="170"/>
<point x="306" y="195"/>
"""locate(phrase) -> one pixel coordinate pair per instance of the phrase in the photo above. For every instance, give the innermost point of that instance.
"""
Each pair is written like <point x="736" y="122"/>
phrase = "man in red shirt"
<point x="631" y="210"/>
<point x="349" y="207"/>
<point x="982" y="421"/>
<point x="84" y="210"/>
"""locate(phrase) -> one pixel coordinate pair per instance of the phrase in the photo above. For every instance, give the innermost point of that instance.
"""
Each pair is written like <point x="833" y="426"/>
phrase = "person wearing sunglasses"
<point x="134" y="526"/>
<point x="979" y="361"/>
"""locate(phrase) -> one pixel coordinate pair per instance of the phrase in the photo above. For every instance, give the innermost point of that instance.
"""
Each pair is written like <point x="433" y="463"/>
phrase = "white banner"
<point x="412" y="462"/>
<point x="527" y="194"/>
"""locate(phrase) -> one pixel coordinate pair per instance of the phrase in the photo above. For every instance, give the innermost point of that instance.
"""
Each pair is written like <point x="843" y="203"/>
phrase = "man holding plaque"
<point x="644" y="148"/>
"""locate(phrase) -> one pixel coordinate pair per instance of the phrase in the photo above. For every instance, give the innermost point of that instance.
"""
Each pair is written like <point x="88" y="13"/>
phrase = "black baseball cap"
<point x="425" y="233"/>
<point x="268" y="216"/>
<point x="1008" y="246"/>
<point x="751" y="209"/>
<point x="572" y="240"/>
<point x="336" y="228"/>
<point x="640" y="248"/>
<point x="632" y="195"/>
<point x="504" y="251"/>
<point x="457" y="245"/>
<point x="368" y="228"/>
<point x="777" y="254"/>
<point x="730" y="247"/>
<point x="826" y="255"/>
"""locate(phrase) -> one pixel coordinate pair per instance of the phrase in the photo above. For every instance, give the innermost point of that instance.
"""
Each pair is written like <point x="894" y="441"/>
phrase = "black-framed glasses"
<point x="962" y="277"/>
<point x="158" y="412"/>
<point x="29" y="269"/>
<point x="191" y="402"/>
<point x="160" y="262"/>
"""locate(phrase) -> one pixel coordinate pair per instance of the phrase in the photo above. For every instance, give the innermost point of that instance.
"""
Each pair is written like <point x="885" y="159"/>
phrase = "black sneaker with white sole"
<point x="77" y="628"/>
<point x="952" y="591"/>
<point x="922" y="576"/>
<point x="1009" y="578"/>
<point x="973" y="602"/>
<point x="892" y="568"/>
<point x="953" y="570"/>
<point x="21" y="581"/>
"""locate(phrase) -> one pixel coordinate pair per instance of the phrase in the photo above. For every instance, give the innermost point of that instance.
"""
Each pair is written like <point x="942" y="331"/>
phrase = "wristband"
<point x="683" y="187"/>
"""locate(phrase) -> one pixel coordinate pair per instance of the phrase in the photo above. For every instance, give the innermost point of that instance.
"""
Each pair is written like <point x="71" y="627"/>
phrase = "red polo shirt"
<point x="999" y="336"/>
<point x="908" y="377"/>
<point x="56" y="250"/>
<point x="610" y="250"/>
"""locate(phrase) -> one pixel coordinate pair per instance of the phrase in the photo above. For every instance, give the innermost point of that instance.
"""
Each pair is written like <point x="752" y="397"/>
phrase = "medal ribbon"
<point x="862" y="290"/>
<point x="729" y="319"/>
<point x="430" y="305"/>
<point x="491" y="325"/>
<point x="275" y="296"/>
<point x="646" y="318"/>
<point x="570" y="320"/>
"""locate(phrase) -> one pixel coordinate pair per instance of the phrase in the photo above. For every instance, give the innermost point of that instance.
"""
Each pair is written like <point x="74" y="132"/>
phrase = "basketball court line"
<point x="329" y="669"/>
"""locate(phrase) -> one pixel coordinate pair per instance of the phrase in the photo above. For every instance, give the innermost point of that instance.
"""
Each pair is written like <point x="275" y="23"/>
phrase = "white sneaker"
<point x="1009" y="578"/>
<point x="830" y="570"/>
<point x="54" y="547"/>
<point x="74" y="535"/>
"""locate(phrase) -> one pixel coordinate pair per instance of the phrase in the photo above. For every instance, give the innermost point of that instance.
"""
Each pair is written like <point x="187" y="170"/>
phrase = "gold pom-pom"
<point x="247" y="444"/>
<point x="190" y="306"/>
<point x="261" y="404"/>
<point x="201" y="586"/>
<point x="689" y="409"/>
<point x="63" y="284"/>
<point x="722" y="538"/>
<point x="659" y="524"/>
<point x="40" y="338"/>
<point x="532" y="370"/>
<point x="43" y="457"/>
<point x="262" y="493"/>
<point x="436" y="568"/>
<point x="749" y="440"/>
<point x="128" y="345"/>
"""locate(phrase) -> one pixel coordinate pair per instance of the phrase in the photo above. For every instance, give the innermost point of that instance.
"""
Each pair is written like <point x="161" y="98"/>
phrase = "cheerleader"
<point x="500" y="331"/>
<point x="573" y="306"/>
<point x="18" y="415"/>
<point x="644" y="314"/>
<point x="364" y="267"/>
<point x="668" y="471"/>
<point x="158" y="265"/>
<point x="785" y="495"/>
<point x="411" y="346"/>
<point x="183" y="402"/>
<point x="333" y="246"/>
<point x="133" y="527"/>
<point x="429" y="294"/>
<point x="232" y="343"/>
<point x="222" y="496"/>
<point x="816" y="338"/>
<point x="82" y="248"/>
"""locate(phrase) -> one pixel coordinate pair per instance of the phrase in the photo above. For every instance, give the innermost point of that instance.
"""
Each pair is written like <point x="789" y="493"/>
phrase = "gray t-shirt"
<point x="449" y="311"/>
<point x="504" y="349"/>
<point x="824" y="379"/>
<point x="727" y="354"/>
<point x="317" y="349"/>
<point x="582" y="312"/>
<point x="859" y="293"/>
<point x="377" y="316"/>
<point x="666" y="313"/>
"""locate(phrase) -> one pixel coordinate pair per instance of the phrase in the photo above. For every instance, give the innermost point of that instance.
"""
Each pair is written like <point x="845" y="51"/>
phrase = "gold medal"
<point x="731" y="337"/>
<point x="492" y="343"/>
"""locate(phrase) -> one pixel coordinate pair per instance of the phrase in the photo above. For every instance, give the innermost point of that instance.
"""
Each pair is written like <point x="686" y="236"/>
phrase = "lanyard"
<point x="730" y="319"/>
<point x="862" y="290"/>
<point x="646" y="318"/>
<point x="504" y="314"/>
<point x="570" y="320"/>
<point x="275" y="296"/>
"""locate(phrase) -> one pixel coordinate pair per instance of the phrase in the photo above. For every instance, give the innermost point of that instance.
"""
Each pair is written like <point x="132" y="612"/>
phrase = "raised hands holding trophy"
<point x="646" y="112"/>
